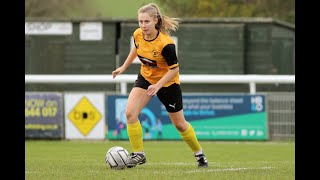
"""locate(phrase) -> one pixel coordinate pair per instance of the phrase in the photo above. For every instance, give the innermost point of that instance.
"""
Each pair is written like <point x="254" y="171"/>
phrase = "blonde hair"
<point x="165" y="24"/>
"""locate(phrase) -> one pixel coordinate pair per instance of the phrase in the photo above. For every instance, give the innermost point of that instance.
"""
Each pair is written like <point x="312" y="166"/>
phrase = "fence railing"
<point x="124" y="79"/>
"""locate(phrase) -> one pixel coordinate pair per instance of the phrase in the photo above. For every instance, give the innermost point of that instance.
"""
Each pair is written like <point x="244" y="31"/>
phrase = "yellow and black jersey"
<point x="157" y="57"/>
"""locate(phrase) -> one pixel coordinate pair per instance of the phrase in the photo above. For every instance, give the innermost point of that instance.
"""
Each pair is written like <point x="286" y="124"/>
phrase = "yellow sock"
<point x="189" y="136"/>
<point x="135" y="136"/>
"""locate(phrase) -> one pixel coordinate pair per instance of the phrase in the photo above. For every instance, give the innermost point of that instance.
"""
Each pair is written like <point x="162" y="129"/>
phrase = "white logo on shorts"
<point x="174" y="105"/>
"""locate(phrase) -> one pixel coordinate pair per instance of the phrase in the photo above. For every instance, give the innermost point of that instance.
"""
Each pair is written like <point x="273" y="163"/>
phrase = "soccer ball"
<point x="116" y="157"/>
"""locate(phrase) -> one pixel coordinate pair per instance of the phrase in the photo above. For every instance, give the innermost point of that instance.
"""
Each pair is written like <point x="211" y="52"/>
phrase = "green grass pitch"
<point x="165" y="160"/>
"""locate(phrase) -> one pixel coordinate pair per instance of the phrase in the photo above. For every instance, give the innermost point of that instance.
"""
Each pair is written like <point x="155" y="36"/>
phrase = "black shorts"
<point x="171" y="97"/>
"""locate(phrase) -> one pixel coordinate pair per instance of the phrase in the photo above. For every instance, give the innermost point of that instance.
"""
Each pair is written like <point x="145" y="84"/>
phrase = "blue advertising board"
<point x="213" y="117"/>
<point x="43" y="115"/>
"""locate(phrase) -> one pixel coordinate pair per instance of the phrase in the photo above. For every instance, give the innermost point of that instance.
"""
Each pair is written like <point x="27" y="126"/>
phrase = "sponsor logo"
<point x="148" y="62"/>
<point x="174" y="105"/>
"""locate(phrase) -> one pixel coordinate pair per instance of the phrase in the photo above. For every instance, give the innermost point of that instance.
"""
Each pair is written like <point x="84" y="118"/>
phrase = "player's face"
<point x="147" y="23"/>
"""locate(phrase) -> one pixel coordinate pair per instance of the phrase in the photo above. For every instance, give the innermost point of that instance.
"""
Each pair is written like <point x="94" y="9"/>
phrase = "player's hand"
<point x="153" y="89"/>
<point x="119" y="70"/>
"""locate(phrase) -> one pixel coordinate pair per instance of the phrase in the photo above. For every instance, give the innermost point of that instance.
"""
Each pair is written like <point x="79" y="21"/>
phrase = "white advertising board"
<point x="90" y="31"/>
<point x="84" y="115"/>
<point x="48" y="28"/>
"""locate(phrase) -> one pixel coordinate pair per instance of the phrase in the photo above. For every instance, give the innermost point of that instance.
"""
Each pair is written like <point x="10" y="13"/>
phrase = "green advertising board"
<point x="213" y="117"/>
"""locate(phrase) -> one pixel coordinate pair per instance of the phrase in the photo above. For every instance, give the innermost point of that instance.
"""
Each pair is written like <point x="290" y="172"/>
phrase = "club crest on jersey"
<point x="155" y="53"/>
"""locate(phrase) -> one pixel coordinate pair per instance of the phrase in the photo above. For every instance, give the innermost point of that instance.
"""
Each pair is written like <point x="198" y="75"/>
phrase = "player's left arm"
<point x="169" y="53"/>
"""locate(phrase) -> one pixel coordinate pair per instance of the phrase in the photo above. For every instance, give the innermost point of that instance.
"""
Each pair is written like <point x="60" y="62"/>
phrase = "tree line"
<point x="280" y="9"/>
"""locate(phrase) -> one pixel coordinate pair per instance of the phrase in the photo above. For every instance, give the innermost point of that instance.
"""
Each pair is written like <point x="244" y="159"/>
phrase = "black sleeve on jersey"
<point x="169" y="53"/>
<point x="134" y="42"/>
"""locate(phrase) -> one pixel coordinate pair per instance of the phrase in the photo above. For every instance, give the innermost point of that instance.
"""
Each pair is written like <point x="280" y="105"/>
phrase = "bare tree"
<point x="50" y="8"/>
<point x="280" y="9"/>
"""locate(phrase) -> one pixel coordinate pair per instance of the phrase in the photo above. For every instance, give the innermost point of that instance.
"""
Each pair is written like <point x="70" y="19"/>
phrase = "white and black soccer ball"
<point x="116" y="157"/>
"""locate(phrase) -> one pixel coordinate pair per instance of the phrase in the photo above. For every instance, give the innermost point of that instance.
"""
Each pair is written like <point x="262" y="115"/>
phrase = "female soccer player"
<point x="159" y="75"/>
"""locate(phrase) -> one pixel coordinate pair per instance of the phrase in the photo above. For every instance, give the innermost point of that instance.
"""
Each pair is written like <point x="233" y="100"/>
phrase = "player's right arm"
<point x="127" y="62"/>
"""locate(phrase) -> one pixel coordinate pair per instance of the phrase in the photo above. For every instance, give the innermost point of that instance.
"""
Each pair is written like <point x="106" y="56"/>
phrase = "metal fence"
<point x="281" y="115"/>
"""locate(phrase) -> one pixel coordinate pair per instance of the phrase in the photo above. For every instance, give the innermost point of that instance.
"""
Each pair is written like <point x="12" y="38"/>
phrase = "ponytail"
<point x="165" y="24"/>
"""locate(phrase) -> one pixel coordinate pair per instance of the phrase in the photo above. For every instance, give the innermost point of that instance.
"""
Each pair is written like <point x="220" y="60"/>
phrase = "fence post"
<point x="252" y="87"/>
<point x="123" y="86"/>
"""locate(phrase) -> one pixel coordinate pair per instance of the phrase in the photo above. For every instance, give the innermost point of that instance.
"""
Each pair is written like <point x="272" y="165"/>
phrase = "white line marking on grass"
<point x="219" y="163"/>
<point x="176" y="164"/>
<point x="228" y="169"/>
<point x="211" y="170"/>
